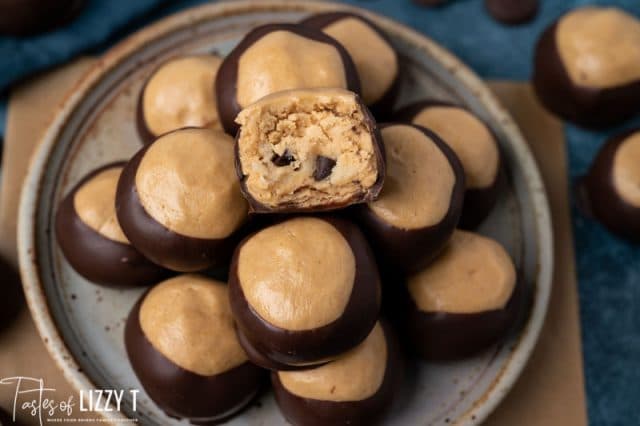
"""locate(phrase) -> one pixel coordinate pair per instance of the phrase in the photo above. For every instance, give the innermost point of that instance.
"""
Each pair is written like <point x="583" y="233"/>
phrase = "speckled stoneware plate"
<point x="82" y="324"/>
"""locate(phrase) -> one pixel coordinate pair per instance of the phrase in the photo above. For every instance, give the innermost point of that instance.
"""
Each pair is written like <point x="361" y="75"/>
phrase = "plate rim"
<point x="30" y="195"/>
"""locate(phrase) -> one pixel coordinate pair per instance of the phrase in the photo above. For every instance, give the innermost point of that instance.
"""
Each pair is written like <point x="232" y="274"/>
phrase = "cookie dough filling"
<point x="600" y="47"/>
<point x="626" y="170"/>
<point x="188" y="319"/>
<point x="94" y="203"/>
<point x="308" y="148"/>
<point x="469" y="138"/>
<point x="355" y="376"/>
<point x="473" y="274"/>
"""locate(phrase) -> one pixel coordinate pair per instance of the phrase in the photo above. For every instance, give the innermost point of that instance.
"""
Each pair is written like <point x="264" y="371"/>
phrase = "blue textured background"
<point x="608" y="268"/>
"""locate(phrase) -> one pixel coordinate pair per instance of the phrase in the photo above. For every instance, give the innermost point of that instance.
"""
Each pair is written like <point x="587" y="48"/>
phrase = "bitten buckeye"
<point x="179" y="200"/>
<point x="587" y="66"/>
<point x="303" y="292"/>
<point x="476" y="148"/>
<point x="421" y="201"/>
<point x="90" y="236"/>
<point x="356" y="389"/>
<point x="182" y="345"/>
<point x="611" y="190"/>
<point x="277" y="57"/>
<point x="466" y="300"/>
<point x="308" y="150"/>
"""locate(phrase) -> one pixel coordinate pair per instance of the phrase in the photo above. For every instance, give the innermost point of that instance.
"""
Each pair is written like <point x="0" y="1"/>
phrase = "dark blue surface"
<point x="608" y="268"/>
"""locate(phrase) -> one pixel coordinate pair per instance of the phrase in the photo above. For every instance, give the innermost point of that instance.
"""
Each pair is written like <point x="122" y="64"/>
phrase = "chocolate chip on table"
<point x="430" y="3"/>
<point x="512" y="12"/>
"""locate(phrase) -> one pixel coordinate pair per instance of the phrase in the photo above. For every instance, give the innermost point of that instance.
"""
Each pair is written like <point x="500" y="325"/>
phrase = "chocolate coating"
<point x="586" y="106"/>
<point x="11" y="297"/>
<point x="227" y="77"/>
<point x="443" y="336"/>
<point x="6" y="419"/>
<point x="280" y="348"/>
<point x="412" y="249"/>
<point x="370" y="411"/>
<point x="29" y="17"/>
<point x="160" y="244"/>
<point x="383" y="106"/>
<point x="512" y="12"/>
<point x="97" y="258"/>
<point x="181" y="393"/>
<point x="478" y="202"/>
<point x="599" y="198"/>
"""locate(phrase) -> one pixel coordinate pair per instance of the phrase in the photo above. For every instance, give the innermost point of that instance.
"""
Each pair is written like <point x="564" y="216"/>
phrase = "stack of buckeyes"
<point x="339" y="234"/>
<point x="587" y="72"/>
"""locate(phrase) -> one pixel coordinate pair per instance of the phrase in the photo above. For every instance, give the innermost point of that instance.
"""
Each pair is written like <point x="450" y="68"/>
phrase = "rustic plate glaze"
<point x="82" y="324"/>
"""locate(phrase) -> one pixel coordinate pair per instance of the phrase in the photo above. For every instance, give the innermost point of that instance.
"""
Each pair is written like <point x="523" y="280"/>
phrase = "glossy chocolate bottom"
<point x="586" y="106"/>
<point x="184" y="394"/>
<point x="99" y="259"/>
<point x="443" y="336"/>
<point x="312" y="412"/>
<point x="599" y="199"/>
<point x="11" y="296"/>
<point x="277" y="347"/>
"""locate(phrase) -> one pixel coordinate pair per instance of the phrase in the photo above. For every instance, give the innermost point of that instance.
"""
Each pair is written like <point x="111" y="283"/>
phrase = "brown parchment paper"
<point x="549" y="392"/>
<point x="22" y="353"/>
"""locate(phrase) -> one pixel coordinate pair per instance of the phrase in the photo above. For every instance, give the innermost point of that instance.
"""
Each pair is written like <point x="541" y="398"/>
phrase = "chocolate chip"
<point x="429" y="3"/>
<point x="324" y="165"/>
<point x="282" y="160"/>
<point x="512" y="12"/>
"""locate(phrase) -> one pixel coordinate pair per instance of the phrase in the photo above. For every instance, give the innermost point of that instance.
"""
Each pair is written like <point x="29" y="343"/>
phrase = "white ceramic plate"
<point x="82" y="324"/>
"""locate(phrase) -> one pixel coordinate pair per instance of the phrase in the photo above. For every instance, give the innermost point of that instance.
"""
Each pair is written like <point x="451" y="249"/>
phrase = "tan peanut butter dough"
<point x="473" y="274"/>
<point x="188" y="320"/>
<point x="283" y="60"/>
<point x="187" y="182"/>
<point x="355" y="376"/>
<point x="181" y="94"/>
<point x="599" y="47"/>
<point x="297" y="275"/>
<point x="469" y="138"/>
<point x="303" y="126"/>
<point x="375" y="60"/>
<point x="95" y="204"/>
<point x="419" y="182"/>
<point x="626" y="170"/>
